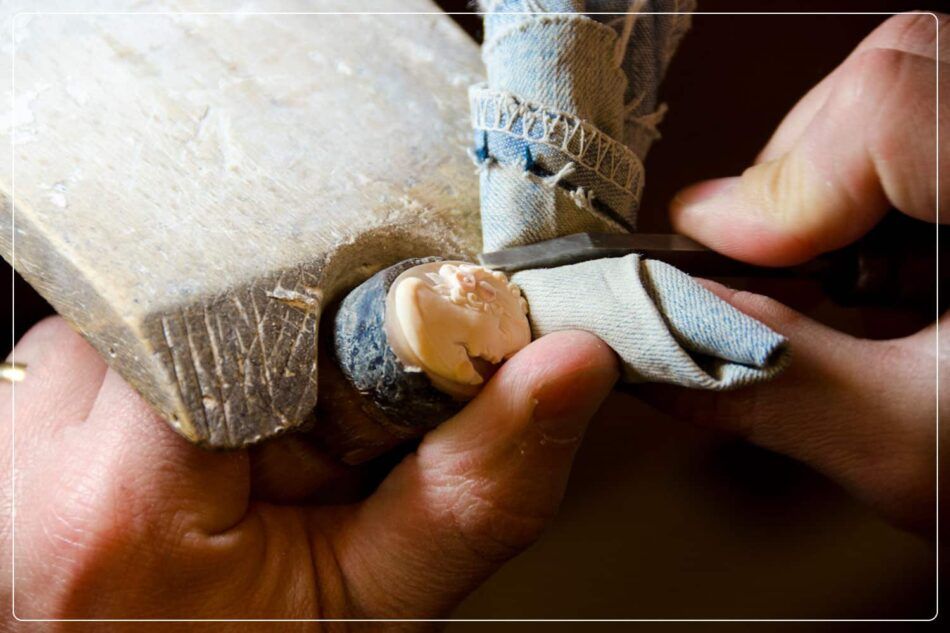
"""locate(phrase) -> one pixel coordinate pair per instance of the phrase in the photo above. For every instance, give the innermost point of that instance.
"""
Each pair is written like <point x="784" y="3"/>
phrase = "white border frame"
<point x="449" y="620"/>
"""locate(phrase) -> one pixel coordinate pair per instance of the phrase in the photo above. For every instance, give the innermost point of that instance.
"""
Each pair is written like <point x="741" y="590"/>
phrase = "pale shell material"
<point x="443" y="317"/>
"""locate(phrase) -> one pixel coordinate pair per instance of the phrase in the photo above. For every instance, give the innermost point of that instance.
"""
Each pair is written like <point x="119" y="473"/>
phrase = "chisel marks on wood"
<point x="223" y="385"/>
<point x="283" y="322"/>
<point x="231" y="328"/>
<point x="183" y="371"/>
<point x="244" y="370"/>
<point x="301" y="329"/>
<point x="259" y="322"/>
<point x="202" y="380"/>
<point x="306" y="357"/>
<point x="242" y="356"/>
<point x="305" y="304"/>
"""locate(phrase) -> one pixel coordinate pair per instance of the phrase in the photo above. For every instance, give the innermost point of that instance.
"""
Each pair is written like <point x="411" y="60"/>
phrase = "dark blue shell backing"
<point x="407" y="399"/>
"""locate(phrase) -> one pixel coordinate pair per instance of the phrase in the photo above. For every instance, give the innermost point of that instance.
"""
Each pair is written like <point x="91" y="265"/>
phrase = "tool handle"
<point x="894" y="265"/>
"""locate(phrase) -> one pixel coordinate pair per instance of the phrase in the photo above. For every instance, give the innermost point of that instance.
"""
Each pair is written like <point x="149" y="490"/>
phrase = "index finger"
<point x="914" y="33"/>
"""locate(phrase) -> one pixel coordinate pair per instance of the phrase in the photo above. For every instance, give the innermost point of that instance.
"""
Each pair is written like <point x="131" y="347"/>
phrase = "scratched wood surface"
<point x="192" y="190"/>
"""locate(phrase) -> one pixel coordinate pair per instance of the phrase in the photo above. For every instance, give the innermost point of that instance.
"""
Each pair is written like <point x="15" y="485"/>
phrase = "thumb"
<point x="871" y="144"/>
<point x="861" y="412"/>
<point x="482" y="486"/>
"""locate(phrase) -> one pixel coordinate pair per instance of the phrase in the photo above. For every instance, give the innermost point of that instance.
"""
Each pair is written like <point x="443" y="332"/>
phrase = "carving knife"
<point x="865" y="273"/>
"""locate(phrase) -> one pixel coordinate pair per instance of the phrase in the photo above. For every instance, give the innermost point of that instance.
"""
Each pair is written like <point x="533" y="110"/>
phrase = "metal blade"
<point x="677" y="250"/>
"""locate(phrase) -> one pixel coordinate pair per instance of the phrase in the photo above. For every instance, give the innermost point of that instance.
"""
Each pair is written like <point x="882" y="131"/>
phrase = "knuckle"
<point x="893" y="93"/>
<point x="868" y="77"/>
<point x="882" y="88"/>
<point x="881" y="81"/>
<point x="910" y="31"/>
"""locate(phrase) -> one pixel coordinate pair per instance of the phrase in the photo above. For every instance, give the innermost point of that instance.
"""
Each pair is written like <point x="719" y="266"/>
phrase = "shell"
<point x="406" y="398"/>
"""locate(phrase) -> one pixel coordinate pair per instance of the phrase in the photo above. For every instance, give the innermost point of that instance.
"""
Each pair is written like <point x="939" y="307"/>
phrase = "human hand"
<point x="862" y="140"/>
<point x="118" y="517"/>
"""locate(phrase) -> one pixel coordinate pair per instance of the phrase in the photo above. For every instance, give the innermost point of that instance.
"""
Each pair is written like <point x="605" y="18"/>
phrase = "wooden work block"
<point x="191" y="191"/>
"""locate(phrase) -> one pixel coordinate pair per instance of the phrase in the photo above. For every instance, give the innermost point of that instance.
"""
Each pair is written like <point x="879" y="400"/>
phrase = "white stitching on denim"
<point x="496" y="111"/>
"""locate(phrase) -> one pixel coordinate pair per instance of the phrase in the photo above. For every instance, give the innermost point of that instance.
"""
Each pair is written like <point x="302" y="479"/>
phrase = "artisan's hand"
<point x="118" y="517"/>
<point x="863" y="139"/>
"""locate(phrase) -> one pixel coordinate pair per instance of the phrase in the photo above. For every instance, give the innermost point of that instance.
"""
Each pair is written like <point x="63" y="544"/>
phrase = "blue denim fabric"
<point x="567" y="91"/>
<point x="663" y="325"/>
<point x="562" y="126"/>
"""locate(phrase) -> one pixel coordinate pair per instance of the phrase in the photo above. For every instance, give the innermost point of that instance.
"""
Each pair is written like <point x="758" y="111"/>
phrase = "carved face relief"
<point x="453" y="319"/>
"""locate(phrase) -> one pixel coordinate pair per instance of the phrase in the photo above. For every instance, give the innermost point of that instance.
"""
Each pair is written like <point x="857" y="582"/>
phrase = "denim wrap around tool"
<point x="562" y="127"/>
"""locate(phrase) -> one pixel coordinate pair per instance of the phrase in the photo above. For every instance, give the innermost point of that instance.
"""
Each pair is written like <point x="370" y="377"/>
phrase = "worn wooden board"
<point x="192" y="190"/>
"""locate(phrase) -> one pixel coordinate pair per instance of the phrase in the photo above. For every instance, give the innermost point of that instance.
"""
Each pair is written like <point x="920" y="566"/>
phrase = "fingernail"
<point x="701" y="192"/>
<point x="567" y="403"/>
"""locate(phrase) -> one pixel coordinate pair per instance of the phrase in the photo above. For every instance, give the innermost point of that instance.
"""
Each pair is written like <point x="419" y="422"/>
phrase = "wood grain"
<point x="192" y="190"/>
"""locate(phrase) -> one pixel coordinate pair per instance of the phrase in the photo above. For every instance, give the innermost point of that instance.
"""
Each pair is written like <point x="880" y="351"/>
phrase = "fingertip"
<point x="559" y="372"/>
<point x="693" y="196"/>
<point x="705" y="211"/>
<point x="483" y="485"/>
<point x="565" y="352"/>
<point x="561" y="378"/>
<point x="722" y="215"/>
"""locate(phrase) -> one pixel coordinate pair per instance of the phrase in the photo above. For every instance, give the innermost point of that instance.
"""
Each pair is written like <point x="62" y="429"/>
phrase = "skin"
<point x="126" y="519"/>
<point x="862" y="141"/>
<point x="117" y="516"/>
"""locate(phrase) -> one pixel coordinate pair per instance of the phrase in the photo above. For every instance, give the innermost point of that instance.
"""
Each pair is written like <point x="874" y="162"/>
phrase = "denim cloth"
<point x="664" y="326"/>
<point x="562" y="126"/>
<point x="573" y="97"/>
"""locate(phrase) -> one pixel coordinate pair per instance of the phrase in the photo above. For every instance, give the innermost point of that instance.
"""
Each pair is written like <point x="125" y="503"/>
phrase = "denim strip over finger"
<point x="562" y="126"/>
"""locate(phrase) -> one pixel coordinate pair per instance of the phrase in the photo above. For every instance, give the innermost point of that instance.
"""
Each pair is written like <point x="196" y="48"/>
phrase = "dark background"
<point x="663" y="520"/>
